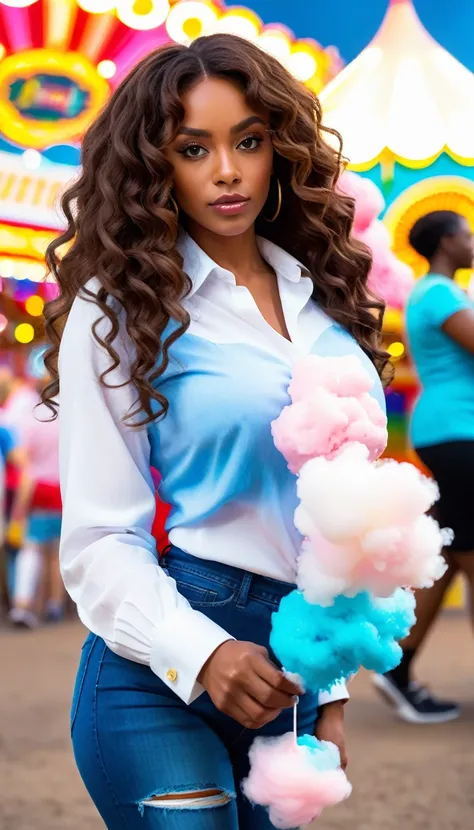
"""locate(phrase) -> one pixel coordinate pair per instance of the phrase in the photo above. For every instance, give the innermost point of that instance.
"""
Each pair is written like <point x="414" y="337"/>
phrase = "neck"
<point x="238" y="254"/>
<point x="442" y="265"/>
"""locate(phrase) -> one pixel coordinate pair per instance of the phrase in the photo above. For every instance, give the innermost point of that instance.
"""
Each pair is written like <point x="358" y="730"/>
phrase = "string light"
<point x="34" y="305"/>
<point x="96" y="6"/>
<point x="106" y="69"/>
<point x="142" y="14"/>
<point x="24" y="333"/>
<point x="190" y="20"/>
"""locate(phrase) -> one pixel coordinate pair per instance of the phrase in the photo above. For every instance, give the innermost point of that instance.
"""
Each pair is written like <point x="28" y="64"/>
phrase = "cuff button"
<point x="172" y="675"/>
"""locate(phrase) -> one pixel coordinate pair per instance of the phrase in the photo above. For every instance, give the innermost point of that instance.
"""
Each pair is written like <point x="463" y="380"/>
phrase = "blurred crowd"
<point x="30" y="519"/>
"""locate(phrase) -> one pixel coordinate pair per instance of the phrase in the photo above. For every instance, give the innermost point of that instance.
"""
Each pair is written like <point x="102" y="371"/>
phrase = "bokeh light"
<point x="242" y="22"/>
<point x="142" y="14"/>
<point x="24" y="333"/>
<point x="396" y="349"/>
<point x="190" y="20"/>
<point x="302" y="63"/>
<point x="3" y="323"/>
<point x="34" y="305"/>
<point x="276" y="43"/>
<point x="106" y="69"/>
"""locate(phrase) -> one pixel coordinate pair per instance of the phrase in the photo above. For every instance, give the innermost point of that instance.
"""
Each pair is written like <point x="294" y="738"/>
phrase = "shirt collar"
<point x="199" y="266"/>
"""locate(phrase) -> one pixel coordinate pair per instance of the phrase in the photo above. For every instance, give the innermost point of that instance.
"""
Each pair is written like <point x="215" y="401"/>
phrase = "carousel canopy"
<point x="404" y="98"/>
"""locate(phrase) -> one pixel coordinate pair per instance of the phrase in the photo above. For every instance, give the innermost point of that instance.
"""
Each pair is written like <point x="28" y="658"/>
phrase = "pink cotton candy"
<point x="343" y="376"/>
<point x="331" y="408"/>
<point x="323" y="424"/>
<point x="295" y="783"/>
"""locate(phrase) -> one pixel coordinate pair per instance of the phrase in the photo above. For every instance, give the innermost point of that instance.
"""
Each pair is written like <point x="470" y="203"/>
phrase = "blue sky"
<point x="350" y="24"/>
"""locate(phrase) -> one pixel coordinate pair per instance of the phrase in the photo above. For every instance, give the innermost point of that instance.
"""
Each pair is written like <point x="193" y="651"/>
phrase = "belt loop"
<point x="245" y="586"/>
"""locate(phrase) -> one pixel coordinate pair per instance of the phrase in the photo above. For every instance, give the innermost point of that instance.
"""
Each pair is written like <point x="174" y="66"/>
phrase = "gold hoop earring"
<point x="277" y="212"/>
<point x="175" y="207"/>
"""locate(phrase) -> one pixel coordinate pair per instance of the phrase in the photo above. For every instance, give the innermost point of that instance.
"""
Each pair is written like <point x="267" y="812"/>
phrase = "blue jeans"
<point x="134" y="738"/>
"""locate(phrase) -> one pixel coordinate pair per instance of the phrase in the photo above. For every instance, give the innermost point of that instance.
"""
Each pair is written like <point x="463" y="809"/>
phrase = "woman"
<point x="440" y="327"/>
<point x="178" y="356"/>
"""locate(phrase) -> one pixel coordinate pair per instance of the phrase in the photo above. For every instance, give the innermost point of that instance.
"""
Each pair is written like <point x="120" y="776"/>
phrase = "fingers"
<point x="275" y="678"/>
<point x="252" y="714"/>
<point x="266" y="695"/>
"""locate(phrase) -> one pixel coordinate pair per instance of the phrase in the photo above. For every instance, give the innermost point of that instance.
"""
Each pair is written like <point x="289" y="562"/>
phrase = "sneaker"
<point x="54" y="614"/>
<point x="22" y="618"/>
<point x="414" y="703"/>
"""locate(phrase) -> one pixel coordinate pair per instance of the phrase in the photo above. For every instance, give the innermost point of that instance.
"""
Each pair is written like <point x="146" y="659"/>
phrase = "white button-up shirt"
<point x="232" y="496"/>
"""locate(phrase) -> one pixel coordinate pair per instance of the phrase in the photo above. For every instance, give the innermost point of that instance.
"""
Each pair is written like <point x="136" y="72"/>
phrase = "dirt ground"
<point x="417" y="777"/>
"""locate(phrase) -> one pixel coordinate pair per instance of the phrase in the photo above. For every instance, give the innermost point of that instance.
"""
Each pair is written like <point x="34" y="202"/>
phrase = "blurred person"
<point x="11" y="455"/>
<point x="37" y="505"/>
<point x="17" y="402"/>
<point x="440" y="329"/>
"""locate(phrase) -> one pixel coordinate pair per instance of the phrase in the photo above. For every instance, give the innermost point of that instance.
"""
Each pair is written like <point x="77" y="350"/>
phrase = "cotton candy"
<point x="348" y="496"/>
<point x="324" y="423"/>
<point x="327" y="645"/>
<point x="365" y="527"/>
<point x="343" y="376"/>
<point x="295" y="782"/>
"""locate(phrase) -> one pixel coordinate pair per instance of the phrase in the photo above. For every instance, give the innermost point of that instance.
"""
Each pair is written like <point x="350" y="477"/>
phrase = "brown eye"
<point x="251" y="142"/>
<point x="192" y="151"/>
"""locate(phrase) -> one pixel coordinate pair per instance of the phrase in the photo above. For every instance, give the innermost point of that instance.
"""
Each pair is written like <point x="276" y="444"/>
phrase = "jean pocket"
<point x="80" y="677"/>
<point x="202" y="590"/>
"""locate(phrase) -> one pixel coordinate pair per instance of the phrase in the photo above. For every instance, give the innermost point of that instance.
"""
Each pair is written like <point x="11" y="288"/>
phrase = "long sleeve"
<point x="108" y="555"/>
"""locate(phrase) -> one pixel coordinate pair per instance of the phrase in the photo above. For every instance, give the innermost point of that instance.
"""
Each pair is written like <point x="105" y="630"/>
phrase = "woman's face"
<point x="222" y="159"/>
<point x="461" y="246"/>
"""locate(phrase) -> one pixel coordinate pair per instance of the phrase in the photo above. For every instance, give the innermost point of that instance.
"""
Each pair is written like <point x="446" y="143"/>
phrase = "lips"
<point x="230" y="199"/>
<point x="231" y="204"/>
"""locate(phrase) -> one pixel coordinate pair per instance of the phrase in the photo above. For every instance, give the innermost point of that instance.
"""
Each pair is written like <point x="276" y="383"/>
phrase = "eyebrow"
<point x="237" y="128"/>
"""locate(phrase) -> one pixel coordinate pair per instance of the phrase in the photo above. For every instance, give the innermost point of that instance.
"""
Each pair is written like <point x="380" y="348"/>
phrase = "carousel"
<point x="59" y="62"/>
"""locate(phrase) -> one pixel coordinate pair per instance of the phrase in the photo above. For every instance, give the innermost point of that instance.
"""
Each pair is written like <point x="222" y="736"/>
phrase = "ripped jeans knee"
<point x="192" y="799"/>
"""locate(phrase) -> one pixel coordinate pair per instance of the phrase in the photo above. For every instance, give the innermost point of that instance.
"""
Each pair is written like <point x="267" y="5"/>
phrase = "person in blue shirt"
<point x="440" y="329"/>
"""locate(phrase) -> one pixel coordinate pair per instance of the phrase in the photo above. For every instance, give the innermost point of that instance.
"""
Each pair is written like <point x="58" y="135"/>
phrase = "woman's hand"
<point x="330" y="727"/>
<point x="242" y="682"/>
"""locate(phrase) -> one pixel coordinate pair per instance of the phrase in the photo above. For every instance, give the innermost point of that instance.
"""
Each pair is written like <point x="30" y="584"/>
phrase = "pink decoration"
<point x="369" y="202"/>
<point x="389" y="278"/>
<point x="295" y="782"/>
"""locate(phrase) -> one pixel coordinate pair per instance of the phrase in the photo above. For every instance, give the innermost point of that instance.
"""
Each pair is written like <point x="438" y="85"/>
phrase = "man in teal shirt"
<point x="440" y="329"/>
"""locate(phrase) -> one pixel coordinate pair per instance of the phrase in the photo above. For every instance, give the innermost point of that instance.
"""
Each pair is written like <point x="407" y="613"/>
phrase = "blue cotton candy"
<point x="326" y="645"/>
<point x="324" y="755"/>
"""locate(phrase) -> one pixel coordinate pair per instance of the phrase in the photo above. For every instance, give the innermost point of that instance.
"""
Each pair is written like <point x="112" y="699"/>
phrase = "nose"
<point x="226" y="170"/>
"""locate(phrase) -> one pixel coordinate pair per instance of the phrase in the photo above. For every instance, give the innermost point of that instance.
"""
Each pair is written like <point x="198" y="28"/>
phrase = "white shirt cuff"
<point x="338" y="692"/>
<point x="186" y="641"/>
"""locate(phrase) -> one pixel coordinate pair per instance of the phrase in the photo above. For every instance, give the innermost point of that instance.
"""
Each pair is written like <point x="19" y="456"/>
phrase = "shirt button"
<point x="172" y="675"/>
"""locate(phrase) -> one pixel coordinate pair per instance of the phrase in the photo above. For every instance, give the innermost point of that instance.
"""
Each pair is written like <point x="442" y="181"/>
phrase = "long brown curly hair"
<point x="121" y="227"/>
